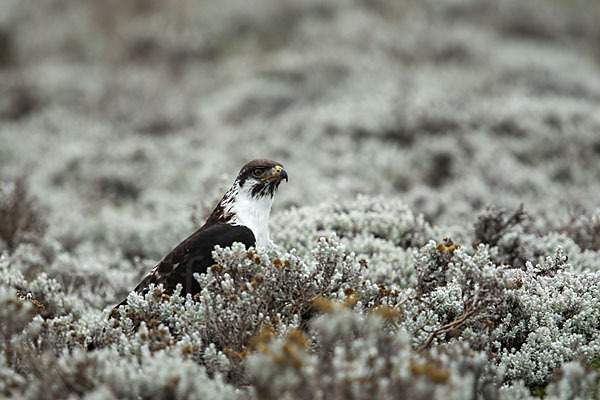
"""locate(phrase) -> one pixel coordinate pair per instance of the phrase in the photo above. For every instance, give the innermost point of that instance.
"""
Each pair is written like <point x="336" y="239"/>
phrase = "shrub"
<point x="21" y="218"/>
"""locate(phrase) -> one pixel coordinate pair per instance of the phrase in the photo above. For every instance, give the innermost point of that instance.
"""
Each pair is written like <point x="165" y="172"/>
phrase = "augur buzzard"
<point x="242" y="216"/>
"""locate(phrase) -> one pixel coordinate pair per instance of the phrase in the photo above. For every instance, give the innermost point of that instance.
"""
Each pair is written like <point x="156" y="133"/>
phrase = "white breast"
<point x="254" y="214"/>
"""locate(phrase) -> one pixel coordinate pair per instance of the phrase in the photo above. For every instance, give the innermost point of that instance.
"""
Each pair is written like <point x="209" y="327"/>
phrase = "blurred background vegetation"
<point x="127" y="117"/>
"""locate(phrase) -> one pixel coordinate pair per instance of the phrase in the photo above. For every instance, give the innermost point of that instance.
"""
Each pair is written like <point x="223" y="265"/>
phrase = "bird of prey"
<point x="242" y="216"/>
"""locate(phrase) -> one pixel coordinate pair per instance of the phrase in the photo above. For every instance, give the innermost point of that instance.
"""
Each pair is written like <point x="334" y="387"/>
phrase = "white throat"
<point x="253" y="213"/>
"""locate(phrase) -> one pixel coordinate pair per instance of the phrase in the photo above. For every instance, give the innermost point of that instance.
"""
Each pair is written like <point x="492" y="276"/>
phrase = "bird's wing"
<point x="193" y="255"/>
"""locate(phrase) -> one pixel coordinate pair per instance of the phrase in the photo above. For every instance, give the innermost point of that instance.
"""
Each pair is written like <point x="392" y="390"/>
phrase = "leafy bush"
<point x="466" y="323"/>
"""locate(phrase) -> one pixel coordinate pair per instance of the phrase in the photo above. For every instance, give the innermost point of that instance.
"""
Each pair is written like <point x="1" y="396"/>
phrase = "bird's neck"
<point x="239" y="207"/>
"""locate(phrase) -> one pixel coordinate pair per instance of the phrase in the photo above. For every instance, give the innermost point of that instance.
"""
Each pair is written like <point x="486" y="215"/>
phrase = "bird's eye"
<point x="258" y="171"/>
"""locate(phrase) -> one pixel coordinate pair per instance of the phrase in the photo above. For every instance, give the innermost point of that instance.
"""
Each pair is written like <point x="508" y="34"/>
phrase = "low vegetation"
<point x="438" y="238"/>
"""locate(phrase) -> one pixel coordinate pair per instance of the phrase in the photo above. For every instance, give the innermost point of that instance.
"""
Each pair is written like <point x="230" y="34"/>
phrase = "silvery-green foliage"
<point x="44" y="356"/>
<point x="365" y="356"/>
<point x="352" y="352"/>
<point x="9" y="379"/>
<point x="109" y="374"/>
<point x="460" y="297"/>
<point x="243" y="293"/>
<point x="21" y="219"/>
<point x="15" y="314"/>
<point x="430" y="110"/>
<point x="559" y="314"/>
<point x="515" y="240"/>
<point x="576" y="381"/>
<point x="454" y="290"/>
<point x="379" y="230"/>
<point x="368" y="120"/>
<point x="530" y="321"/>
<point x="585" y="230"/>
<point x="462" y="303"/>
<point x="42" y="288"/>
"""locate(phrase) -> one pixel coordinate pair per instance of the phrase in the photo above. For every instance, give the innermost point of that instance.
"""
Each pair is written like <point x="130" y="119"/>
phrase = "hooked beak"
<point x="282" y="175"/>
<point x="278" y="173"/>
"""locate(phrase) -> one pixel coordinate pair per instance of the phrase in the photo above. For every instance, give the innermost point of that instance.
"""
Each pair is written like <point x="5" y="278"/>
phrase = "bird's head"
<point x="248" y="202"/>
<point x="260" y="178"/>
